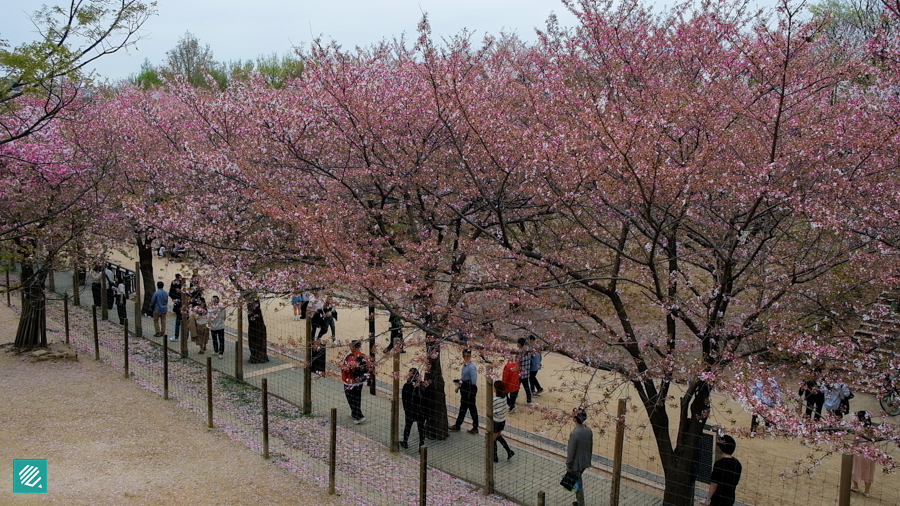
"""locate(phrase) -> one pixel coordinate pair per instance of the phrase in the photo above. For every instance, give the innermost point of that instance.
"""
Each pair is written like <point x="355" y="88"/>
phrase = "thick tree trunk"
<point x="679" y="467"/>
<point x="435" y="400"/>
<point x="145" y="257"/>
<point x="31" y="321"/>
<point x="256" y="333"/>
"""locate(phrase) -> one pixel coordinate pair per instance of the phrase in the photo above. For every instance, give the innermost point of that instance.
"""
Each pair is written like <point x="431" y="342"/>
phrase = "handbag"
<point x="569" y="480"/>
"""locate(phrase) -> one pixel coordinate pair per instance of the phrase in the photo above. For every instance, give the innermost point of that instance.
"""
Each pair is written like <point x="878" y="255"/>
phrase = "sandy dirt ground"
<point x="107" y="441"/>
<point x="769" y="463"/>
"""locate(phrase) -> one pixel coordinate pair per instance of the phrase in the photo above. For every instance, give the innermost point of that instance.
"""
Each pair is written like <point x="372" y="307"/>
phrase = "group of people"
<point x="202" y="320"/>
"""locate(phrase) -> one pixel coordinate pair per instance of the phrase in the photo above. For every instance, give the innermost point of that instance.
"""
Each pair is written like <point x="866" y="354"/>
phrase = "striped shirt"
<point x="501" y="408"/>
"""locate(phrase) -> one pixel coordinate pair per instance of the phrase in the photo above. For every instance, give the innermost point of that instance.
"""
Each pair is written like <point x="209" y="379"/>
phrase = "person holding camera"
<point x="579" y="452"/>
<point x="467" y="388"/>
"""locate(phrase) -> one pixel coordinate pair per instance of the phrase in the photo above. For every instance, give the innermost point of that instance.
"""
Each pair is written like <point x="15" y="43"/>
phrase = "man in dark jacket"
<point x="413" y="410"/>
<point x="579" y="452"/>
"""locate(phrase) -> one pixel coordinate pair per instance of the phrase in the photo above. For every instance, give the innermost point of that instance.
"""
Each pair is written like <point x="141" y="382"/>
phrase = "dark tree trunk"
<point x="29" y="334"/>
<point x="678" y="465"/>
<point x="435" y="398"/>
<point x="256" y="333"/>
<point x="145" y="257"/>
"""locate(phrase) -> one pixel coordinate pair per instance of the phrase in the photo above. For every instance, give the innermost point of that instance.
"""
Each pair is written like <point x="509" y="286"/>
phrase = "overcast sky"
<point x="245" y="29"/>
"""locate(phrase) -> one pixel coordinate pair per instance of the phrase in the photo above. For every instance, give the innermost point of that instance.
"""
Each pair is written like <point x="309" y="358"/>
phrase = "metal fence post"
<point x="125" y="346"/>
<point x="307" y="371"/>
<point x="332" y="451"/>
<point x="66" y="314"/>
<point x="423" y="476"/>
<point x="265" y="415"/>
<point x="395" y="402"/>
<point x="239" y="346"/>
<point x="617" y="455"/>
<point x="209" y="404"/>
<point x="165" y="368"/>
<point x="96" y="336"/>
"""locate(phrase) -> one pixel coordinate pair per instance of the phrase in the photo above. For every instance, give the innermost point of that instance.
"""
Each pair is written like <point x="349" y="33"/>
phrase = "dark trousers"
<point x="178" y="318"/>
<point x="303" y="306"/>
<point x="411" y="419"/>
<point x="218" y="338"/>
<point x="535" y="386"/>
<point x="815" y="401"/>
<point x="95" y="292"/>
<point x="526" y="384"/>
<point x="354" y="399"/>
<point x="498" y="429"/>
<point x="511" y="398"/>
<point x="120" y="309"/>
<point x="467" y="404"/>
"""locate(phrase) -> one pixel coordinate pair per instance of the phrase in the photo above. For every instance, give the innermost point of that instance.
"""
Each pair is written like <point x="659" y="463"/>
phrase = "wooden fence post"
<point x="265" y="415"/>
<point x="66" y="314"/>
<point x="542" y="498"/>
<point x="138" y="328"/>
<point x="8" y="299"/>
<point x="165" y="368"/>
<point x="332" y="451"/>
<point x="239" y="346"/>
<point x="423" y="476"/>
<point x="846" y="472"/>
<point x="184" y="326"/>
<point x="307" y="371"/>
<point x="209" y="404"/>
<point x="96" y="336"/>
<point x="125" y="347"/>
<point x="617" y="455"/>
<point x="395" y="402"/>
<point x="489" y="436"/>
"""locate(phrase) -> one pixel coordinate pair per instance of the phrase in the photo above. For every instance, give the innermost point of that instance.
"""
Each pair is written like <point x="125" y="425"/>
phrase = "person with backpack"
<point x="413" y="409"/>
<point x="355" y="372"/>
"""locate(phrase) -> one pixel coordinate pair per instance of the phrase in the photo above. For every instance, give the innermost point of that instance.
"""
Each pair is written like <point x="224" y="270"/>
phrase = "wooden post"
<point x="125" y="347"/>
<point x="239" y="346"/>
<point x="104" y="312"/>
<point x="138" y="328"/>
<point x="209" y="407"/>
<point x="165" y="368"/>
<point x="617" y="455"/>
<point x="423" y="476"/>
<point x="846" y="472"/>
<point x="184" y="326"/>
<point x="76" y="286"/>
<point x="8" y="300"/>
<point x="395" y="402"/>
<point x="332" y="451"/>
<point x="542" y="498"/>
<point x="307" y="371"/>
<point x="66" y="314"/>
<point x="372" y="341"/>
<point x="96" y="337"/>
<point x="265" y="414"/>
<point x="489" y="436"/>
<point x="51" y="280"/>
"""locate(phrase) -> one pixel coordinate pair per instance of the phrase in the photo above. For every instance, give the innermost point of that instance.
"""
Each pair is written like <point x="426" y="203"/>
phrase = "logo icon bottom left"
<point x="29" y="476"/>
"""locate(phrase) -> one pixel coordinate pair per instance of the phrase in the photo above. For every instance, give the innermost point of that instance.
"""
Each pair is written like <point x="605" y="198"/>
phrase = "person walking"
<point x="467" y="387"/>
<point x="579" y="452"/>
<point x="159" y="304"/>
<point x="510" y="379"/>
<point x="216" y="316"/>
<point x="175" y="293"/>
<point x="354" y="373"/>
<point x="121" y="299"/>
<point x="329" y="316"/>
<point x="536" y="358"/>
<point x="500" y="410"/>
<point x="95" y="277"/>
<point x="200" y="325"/>
<point x="863" y="467"/>
<point x="835" y="396"/>
<point x="395" y="326"/>
<point x="296" y="303"/>
<point x="525" y="369"/>
<point x="413" y="409"/>
<point x="726" y="475"/>
<point x="317" y="323"/>
<point x="110" y="286"/>
<point x="769" y="397"/>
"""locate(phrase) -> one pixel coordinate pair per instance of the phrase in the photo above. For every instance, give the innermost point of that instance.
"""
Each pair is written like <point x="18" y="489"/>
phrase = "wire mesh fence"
<point x="374" y="459"/>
